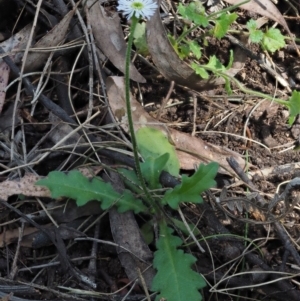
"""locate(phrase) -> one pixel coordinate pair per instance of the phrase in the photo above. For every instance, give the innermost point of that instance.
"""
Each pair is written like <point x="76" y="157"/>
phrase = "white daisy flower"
<point x="137" y="8"/>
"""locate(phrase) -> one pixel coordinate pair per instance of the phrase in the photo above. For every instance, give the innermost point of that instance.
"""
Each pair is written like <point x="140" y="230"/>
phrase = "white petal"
<point x="148" y="9"/>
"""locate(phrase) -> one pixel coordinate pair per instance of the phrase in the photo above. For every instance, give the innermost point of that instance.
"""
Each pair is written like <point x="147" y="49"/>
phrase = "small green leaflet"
<point x="175" y="280"/>
<point x="200" y="70"/>
<point x="153" y="143"/>
<point x="294" y="106"/>
<point x="183" y="51"/>
<point x="195" y="49"/>
<point x="256" y="35"/>
<point x="251" y="25"/>
<point x="199" y="8"/>
<point x="191" y="187"/>
<point x="214" y="63"/>
<point x="273" y="40"/>
<point x="185" y="48"/>
<point x="76" y="186"/>
<point x="176" y="47"/>
<point x="223" y="23"/>
<point x="139" y="39"/>
<point x="191" y="12"/>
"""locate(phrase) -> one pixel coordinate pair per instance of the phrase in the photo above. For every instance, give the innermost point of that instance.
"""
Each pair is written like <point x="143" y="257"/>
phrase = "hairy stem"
<point x="150" y="200"/>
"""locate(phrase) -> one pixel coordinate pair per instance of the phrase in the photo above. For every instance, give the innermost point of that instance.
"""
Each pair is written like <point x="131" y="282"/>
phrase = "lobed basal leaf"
<point x="191" y="187"/>
<point x="76" y="186"/>
<point x="175" y="280"/>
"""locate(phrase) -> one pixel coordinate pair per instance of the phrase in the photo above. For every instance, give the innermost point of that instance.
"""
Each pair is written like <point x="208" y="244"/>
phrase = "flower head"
<point x="137" y="8"/>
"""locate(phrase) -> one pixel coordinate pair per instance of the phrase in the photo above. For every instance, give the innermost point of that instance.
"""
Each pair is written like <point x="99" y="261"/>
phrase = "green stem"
<point x="244" y="89"/>
<point x="247" y="33"/>
<point x="134" y="21"/>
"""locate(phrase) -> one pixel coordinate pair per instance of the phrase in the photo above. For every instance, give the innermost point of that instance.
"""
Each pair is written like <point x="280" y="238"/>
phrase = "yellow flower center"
<point x="137" y="5"/>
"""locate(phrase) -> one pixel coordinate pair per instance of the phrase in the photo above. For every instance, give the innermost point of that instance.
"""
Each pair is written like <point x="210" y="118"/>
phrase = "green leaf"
<point x="181" y="226"/>
<point x="256" y="36"/>
<point x="251" y="25"/>
<point x="214" y="63"/>
<point x="201" y="20"/>
<point x="153" y="143"/>
<point x="76" y="186"/>
<point x="139" y="39"/>
<point x="191" y="187"/>
<point x="183" y="51"/>
<point x="130" y="180"/>
<point x="194" y="13"/>
<point x="175" y="45"/>
<point x="294" y="106"/>
<point x="199" y="8"/>
<point x="152" y="168"/>
<point x="175" y="280"/>
<point x="200" y="70"/>
<point x="273" y="40"/>
<point x="223" y="23"/>
<point x="195" y="49"/>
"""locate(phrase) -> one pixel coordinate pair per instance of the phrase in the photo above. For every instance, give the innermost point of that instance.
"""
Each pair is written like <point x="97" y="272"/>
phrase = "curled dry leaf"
<point x="109" y="37"/>
<point x="11" y="236"/>
<point x="126" y="232"/>
<point x="172" y="67"/>
<point x="190" y="150"/>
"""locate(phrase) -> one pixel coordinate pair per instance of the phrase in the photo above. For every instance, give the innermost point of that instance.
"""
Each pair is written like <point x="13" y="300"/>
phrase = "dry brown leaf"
<point x="265" y="8"/>
<point x="12" y="236"/>
<point x="17" y="41"/>
<point x="60" y="130"/>
<point x="109" y="37"/>
<point x="60" y="212"/>
<point x="33" y="237"/>
<point x="7" y="297"/>
<point x="172" y="67"/>
<point x="25" y="186"/>
<point x="191" y="150"/>
<point x="53" y="38"/>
